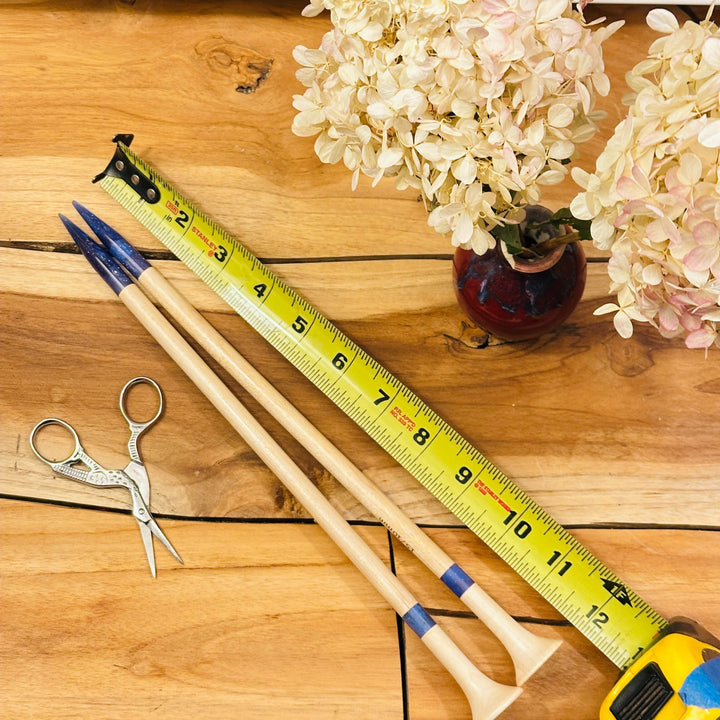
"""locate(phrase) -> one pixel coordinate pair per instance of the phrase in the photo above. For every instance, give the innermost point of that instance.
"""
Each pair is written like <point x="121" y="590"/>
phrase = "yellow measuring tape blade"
<point x="565" y="573"/>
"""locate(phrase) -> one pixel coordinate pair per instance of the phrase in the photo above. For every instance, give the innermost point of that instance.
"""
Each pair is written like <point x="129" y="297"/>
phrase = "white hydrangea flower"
<point x="474" y="103"/>
<point x="654" y="198"/>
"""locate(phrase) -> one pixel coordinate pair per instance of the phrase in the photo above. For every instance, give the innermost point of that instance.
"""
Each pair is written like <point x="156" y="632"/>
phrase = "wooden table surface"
<point x="617" y="439"/>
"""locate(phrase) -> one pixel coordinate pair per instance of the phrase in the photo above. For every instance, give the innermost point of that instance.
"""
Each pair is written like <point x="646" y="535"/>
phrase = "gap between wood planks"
<point x="359" y="523"/>
<point x="70" y="248"/>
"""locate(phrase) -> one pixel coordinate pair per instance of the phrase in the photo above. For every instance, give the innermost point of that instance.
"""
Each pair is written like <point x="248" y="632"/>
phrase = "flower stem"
<point x="550" y="244"/>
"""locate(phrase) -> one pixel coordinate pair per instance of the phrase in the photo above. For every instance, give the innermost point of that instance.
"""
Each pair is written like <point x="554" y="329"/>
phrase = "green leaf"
<point x="565" y="217"/>
<point x="510" y="235"/>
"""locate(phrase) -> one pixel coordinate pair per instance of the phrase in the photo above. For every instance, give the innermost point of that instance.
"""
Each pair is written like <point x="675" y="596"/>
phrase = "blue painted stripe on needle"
<point x="457" y="580"/>
<point x="418" y="620"/>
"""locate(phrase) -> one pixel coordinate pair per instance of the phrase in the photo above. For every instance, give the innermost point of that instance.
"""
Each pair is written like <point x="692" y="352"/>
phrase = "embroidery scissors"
<point x="133" y="477"/>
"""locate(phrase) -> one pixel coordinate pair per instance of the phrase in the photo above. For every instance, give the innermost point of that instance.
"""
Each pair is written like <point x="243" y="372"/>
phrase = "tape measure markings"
<point x="474" y="490"/>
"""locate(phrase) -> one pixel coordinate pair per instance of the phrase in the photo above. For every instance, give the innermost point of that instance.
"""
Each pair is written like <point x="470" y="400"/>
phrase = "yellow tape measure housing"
<point x="656" y="686"/>
<point x="592" y="598"/>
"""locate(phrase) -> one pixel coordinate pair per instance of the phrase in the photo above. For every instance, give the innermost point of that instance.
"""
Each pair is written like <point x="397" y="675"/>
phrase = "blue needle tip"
<point x="98" y="257"/>
<point x="118" y="246"/>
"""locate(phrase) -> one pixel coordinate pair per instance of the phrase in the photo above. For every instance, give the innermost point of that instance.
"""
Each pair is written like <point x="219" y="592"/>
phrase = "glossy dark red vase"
<point x="523" y="302"/>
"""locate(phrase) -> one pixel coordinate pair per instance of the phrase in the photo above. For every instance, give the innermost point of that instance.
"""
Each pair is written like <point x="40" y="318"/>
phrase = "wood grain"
<point x="270" y="619"/>
<point x="250" y="626"/>
<point x="616" y="439"/>
<point x="576" y="415"/>
<point x="168" y="83"/>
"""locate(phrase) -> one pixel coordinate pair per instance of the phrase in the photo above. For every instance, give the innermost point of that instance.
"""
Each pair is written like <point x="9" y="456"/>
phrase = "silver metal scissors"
<point x="133" y="477"/>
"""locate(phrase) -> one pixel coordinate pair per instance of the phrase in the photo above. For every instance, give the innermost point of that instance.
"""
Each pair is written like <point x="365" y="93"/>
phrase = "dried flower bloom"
<point x="474" y="103"/>
<point x="654" y="198"/>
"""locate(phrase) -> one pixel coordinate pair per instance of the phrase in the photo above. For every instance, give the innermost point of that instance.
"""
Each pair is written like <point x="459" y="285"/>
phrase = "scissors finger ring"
<point x="124" y="399"/>
<point x="51" y="461"/>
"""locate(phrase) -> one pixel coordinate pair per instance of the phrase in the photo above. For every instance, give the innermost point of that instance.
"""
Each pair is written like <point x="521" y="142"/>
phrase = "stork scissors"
<point x="133" y="477"/>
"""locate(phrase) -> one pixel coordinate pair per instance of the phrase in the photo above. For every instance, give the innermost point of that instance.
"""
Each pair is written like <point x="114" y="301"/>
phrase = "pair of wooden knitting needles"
<point x="487" y="698"/>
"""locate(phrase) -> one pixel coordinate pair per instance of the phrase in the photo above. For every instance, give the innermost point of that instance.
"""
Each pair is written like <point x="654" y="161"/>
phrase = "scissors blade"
<point x="147" y="539"/>
<point x="160" y="535"/>
<point x="139" y="475"/>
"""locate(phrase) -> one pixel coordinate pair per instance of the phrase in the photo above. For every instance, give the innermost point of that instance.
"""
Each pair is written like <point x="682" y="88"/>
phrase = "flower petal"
<point x="652" y="274"/>
<point x="560" y="115"/>
<point x="463" y="230"/>
<point x="703" y="257"/>
<point x="711" y="52"/>
<point x="662" y="21"/>
<point x="606" y="308"/>
<point x="623" y="325"/>
<point x="706" y="233"/>
<point x="389" y="157"/>
<point x="549" y="10"/>
<point x="701" y="339"/>
<point x="709" y="136"/>
<point x="668" y="319"/>
<point x="465" y="170"/>
<point x="690" y="171"/>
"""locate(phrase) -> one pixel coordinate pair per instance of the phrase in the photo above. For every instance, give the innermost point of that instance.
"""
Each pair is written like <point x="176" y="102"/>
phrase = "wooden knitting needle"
<point x="487" y="698"/>
<point x="527" y="650"/>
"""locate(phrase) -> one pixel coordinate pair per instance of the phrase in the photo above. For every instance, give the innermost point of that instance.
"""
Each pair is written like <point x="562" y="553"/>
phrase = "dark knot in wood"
<point x="245" y="67"/>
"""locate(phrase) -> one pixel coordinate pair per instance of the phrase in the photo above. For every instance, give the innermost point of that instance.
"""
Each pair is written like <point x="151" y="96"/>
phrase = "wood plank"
<point x="165" y="65"/>
<point x="264" y="616"/>
<point x="638" y="437"/>
<point x="262" y="621"/>
<point x="339" y="289"/>
<point x="251" y="174"/>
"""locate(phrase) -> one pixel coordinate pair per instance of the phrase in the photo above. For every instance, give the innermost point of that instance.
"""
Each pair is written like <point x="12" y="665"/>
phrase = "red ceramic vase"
<point x="523" y="302"/>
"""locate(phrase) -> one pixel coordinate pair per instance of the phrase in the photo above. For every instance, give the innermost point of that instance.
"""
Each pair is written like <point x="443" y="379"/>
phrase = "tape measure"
<point x="538" y="548"/>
